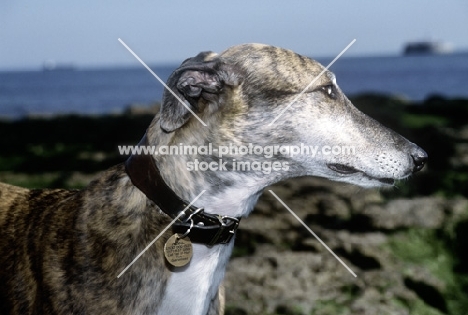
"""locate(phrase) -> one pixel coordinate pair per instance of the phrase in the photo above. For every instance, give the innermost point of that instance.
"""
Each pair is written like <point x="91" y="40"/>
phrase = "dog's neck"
<point x="227" y="192"/>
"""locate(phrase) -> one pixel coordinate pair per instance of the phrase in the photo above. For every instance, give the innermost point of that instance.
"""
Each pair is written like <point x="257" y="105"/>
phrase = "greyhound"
<point x="61" y="250"/>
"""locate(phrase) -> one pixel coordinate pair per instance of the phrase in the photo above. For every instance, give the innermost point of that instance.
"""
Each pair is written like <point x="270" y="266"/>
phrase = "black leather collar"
<point x="208" y="229"/>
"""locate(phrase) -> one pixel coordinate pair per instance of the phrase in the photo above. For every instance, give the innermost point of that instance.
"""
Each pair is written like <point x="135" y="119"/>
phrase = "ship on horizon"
<point x="427" y="47"/>
<point x="51" y="65"/>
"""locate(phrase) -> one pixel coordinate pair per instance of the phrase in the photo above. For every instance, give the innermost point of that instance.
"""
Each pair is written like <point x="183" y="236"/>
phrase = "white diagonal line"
<point x="162" y="82"/>
<point x="312" y="82"/>
<point x="162" y="232"/>
<point x="312" y="232"/>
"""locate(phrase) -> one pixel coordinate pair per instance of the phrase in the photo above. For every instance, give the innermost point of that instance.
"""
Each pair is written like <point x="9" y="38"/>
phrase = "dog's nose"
<point x="419" y="158"/>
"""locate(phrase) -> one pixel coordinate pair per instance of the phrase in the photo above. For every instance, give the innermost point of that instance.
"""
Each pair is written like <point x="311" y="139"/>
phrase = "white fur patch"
<point x="190" y="291"/>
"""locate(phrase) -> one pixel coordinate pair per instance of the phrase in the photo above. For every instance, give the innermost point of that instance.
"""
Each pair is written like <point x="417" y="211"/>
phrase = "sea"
<point x="112" y="90"/>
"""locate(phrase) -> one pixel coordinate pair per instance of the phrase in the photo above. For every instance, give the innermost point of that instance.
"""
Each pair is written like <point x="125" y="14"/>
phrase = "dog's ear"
<point x="195" y="80"/>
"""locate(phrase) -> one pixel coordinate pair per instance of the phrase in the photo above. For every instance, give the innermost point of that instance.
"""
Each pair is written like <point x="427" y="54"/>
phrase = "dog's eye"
<point x="330" y="90"/>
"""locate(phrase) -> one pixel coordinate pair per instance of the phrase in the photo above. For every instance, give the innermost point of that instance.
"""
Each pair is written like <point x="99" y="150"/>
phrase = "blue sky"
<point x="85" y="32"/>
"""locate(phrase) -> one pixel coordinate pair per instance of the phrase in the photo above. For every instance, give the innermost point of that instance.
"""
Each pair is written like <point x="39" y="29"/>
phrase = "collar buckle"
<point x="226" y="230"/>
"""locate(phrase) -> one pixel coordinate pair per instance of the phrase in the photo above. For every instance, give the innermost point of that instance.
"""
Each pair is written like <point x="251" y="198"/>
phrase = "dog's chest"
<point x="191" y="290"/>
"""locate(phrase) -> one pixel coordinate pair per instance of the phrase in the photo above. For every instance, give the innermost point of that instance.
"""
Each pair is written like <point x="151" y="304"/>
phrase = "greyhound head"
<point x="241" y="91"/>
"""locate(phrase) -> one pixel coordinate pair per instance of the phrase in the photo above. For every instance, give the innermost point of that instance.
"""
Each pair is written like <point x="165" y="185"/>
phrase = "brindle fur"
<point x="61" y="251"/>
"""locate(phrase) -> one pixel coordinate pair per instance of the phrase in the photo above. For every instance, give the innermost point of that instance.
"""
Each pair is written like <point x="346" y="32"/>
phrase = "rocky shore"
<point x="402" y="251"/>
